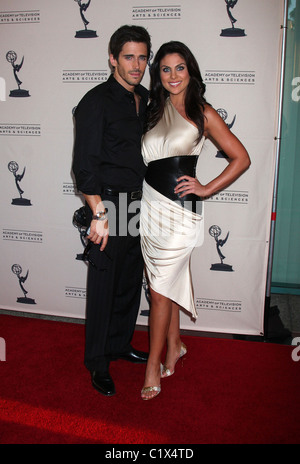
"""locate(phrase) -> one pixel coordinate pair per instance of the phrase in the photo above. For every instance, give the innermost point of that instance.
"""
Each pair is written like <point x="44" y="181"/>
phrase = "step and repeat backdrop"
<point x="51" y="54"/>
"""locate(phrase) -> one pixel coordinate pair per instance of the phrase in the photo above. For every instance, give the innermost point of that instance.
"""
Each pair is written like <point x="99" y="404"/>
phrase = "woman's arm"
<point x="238" y="158"/>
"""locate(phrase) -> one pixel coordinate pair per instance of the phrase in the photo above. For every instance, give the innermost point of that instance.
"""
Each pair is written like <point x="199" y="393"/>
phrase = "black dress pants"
<point x="113" y="289"/>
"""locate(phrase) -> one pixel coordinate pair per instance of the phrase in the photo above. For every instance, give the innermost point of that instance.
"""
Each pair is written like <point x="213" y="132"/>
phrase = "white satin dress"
<point x="168" y="231"/>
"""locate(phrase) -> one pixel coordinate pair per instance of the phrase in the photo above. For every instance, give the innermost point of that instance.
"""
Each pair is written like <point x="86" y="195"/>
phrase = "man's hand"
<point x="99" y="232"/>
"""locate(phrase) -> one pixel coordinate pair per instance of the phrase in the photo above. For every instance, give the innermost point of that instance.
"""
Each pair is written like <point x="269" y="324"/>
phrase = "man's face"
<point x="130" y="65"/>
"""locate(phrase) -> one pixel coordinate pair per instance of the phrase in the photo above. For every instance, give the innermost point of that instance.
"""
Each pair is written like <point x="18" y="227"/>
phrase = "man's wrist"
<point x="100" y="215"/>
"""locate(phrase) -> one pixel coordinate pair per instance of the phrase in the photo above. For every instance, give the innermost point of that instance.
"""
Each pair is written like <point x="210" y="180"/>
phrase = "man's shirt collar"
<point x="120" y="89"/>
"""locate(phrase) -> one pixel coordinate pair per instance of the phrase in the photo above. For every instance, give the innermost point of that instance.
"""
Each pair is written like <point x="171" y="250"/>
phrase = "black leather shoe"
<point x="134" y="356"/>
<point x="103" y="383"/>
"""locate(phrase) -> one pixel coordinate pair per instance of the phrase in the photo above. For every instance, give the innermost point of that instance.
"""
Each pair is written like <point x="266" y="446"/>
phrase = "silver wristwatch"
<point x="101" y="215"/>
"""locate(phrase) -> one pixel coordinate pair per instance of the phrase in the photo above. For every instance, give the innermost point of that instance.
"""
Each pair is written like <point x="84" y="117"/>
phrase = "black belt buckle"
<point x="137" y="195"/>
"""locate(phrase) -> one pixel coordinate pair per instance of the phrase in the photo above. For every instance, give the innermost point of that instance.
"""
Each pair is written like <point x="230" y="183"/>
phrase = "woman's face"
<point x="174" y="74"/>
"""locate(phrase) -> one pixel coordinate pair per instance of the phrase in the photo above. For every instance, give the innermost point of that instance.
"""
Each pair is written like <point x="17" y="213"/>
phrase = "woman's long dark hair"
<point x="194" y="98"/>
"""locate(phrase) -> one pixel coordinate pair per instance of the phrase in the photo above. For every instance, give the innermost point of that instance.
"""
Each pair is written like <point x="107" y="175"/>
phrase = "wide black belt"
<point x="162" y="175"/>
<point x="133" y="195"/>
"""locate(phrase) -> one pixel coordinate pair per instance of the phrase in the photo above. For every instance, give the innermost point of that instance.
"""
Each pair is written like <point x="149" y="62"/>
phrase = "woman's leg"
<point x="160" y="318"/>
<point x="173" y="339"/>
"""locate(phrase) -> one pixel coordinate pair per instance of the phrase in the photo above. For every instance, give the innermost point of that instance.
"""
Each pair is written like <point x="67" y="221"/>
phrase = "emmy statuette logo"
<point x="14" y="167"/>
<point x="232" y="31"/>
<point x="84" y="33"/>
<point x="149" y="62"/>
<point x="17" y="270"/>
<point x="215" y="231"/>
<point x="11" y="57"/>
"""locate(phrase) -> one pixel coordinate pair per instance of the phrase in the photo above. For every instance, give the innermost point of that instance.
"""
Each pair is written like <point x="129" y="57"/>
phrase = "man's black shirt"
<point x="107" y="149"/>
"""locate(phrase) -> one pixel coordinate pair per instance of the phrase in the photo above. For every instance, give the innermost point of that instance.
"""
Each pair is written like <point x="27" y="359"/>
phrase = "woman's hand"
<point x="187" y="184"/>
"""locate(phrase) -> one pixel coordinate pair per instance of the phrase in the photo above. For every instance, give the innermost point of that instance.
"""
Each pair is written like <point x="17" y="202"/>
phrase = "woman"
<point x="171" y="213"/>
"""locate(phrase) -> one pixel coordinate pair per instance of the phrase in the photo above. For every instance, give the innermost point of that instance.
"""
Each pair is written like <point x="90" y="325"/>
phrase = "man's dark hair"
<point x="128" y="34"/>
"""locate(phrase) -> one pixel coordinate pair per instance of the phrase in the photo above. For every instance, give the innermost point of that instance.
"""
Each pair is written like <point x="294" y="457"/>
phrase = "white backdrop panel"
<point x="36" y="133"/>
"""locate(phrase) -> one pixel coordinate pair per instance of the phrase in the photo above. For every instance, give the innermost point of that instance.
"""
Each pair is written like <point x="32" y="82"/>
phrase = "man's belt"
<point x="134" y="195"/>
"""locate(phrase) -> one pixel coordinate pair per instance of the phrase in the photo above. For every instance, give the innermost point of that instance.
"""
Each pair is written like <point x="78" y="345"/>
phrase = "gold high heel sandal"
<point x="165" y="372"/>
<point x="156" y="391"/>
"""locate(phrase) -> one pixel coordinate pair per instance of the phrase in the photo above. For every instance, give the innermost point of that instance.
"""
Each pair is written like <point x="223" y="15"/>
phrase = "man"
<point x="109" y="171"/>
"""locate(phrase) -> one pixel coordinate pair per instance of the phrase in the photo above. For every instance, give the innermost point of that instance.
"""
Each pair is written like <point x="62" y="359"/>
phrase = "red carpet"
<point x="226" y="391"/>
